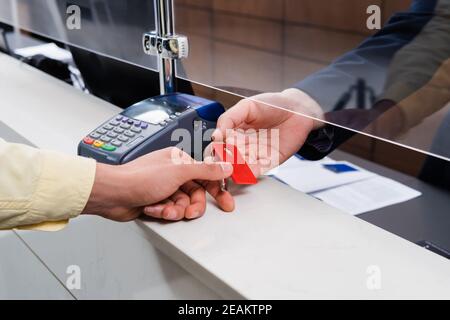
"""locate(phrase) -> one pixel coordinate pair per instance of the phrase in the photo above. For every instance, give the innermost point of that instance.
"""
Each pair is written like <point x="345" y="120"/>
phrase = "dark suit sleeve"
<point x="369" y="61"/>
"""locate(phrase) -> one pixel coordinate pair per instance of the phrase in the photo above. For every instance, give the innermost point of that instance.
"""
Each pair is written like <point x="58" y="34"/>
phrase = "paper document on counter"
<point x="314" y="176"/>
<point x="295" y="162"/>
<point x="367" y="195"/>
<point x="342" y="184"/>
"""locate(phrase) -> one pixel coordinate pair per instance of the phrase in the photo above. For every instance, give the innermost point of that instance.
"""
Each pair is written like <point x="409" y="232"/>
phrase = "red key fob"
<point x="242" y="174"/>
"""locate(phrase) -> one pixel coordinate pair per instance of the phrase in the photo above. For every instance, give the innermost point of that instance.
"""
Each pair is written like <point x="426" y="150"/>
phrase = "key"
<point x="242" y="174"/>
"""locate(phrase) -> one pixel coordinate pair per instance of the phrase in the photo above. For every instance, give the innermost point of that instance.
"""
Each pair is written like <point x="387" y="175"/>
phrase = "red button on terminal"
<point x="88" y="140"/>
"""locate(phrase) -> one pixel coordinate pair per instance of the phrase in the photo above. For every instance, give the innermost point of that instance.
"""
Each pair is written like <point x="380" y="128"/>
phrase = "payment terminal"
<point x="151" y="125"/>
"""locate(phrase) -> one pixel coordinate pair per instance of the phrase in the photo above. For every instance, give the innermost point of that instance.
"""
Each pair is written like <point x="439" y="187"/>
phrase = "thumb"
<point x="232" y="119"/>
<point x="208" y="170"/>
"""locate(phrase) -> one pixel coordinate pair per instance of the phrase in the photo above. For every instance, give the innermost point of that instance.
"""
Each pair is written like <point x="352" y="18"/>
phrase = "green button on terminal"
<point x="108" y="147"/>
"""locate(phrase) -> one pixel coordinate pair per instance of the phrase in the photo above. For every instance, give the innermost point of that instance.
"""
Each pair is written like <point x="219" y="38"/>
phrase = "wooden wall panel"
<point x="270" y="9"/>
<point x="346" y="15"/>
<point x="194" y="21"/>
<point x="264" y="34"/>
<point x="318" y="44"/>
<point x="392" y="6"/>
<point x="295" y="70"/>
<point x="207" y="4"/>
<point x="246" y="68"/>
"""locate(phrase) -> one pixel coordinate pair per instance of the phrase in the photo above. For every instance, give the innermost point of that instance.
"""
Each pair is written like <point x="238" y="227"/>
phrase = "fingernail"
<point x="153" y="210"/>
<point x="227" y="168"/>
<point x="216" y="134"/>
<point x="171" y="215"/>
<point x="148" y="210"/>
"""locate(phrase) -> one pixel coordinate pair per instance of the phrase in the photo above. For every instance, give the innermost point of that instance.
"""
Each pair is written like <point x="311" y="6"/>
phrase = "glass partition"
<point x="379" y="67"/>
<point x="391" y="83"/>
<point x="110" y="28"/>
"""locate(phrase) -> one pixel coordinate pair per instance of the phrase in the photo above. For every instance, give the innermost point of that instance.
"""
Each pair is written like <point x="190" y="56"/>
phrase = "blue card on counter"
<point x="339" y="168"/>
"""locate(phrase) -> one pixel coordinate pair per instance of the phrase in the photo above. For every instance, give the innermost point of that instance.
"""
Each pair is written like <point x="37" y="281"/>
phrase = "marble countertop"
<point x="278" y="244"/>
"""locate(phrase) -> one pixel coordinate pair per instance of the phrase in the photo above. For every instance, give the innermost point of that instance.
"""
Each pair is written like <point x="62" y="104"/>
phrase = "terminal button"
<point x="114" y="123"/>
<point x="119" y="130"/>
<point x="88" y="140"/>
<point x="144" y="126"/>
<point x="95" y="135"/>
<point x="116" y="143"/>
<point x="123" y="139"/>
<point x="112" y="135"/>
<point x="129" y="134"/>
<point x="137" y="130"/>
<point x="108" y="147"/>
<point x="125" y="126"/>
<point x="98" y="144"/>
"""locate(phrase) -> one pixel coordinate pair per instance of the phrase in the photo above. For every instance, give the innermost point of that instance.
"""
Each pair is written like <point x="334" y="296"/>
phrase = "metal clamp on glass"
<point x="167" y="47"/>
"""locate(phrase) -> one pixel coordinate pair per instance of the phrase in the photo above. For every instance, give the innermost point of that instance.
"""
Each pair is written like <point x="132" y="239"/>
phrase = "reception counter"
<point x="278" y="244"/>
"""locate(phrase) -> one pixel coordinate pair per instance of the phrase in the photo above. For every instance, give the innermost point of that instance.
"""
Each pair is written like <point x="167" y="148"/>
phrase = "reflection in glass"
<point x="111" y="28"/>
<point x="392" y="83"/>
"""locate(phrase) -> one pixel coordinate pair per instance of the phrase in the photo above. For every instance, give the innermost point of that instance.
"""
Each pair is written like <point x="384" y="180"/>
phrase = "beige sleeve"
<point x="42" y="189"/>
